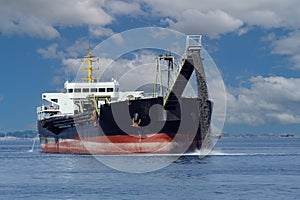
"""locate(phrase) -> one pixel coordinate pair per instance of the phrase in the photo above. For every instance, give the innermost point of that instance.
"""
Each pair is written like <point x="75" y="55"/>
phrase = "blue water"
<point x="239" y="168"/>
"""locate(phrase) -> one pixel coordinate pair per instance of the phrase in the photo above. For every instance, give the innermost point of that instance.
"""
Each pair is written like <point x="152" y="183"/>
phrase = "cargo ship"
<point x="95" y="117"/>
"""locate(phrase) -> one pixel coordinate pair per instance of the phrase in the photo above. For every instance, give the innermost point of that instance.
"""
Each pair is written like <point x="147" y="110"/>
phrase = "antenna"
<point x="90" y="69"/>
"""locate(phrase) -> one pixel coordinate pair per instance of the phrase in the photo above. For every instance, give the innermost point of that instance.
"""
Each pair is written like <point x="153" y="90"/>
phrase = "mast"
<point x="159" y="59"/>
<point x="90" y="69"/>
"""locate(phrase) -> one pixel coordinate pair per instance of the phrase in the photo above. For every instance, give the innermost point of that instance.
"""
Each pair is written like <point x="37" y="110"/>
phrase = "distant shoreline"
<point x="33" y="135"/>
<point x="17" y="135"/>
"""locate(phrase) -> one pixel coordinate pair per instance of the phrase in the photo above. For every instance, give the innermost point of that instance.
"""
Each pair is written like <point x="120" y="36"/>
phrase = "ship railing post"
<point x="193" y="43"/>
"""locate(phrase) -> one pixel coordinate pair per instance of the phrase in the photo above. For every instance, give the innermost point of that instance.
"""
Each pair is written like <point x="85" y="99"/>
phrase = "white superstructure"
<point x="66" y="103"/>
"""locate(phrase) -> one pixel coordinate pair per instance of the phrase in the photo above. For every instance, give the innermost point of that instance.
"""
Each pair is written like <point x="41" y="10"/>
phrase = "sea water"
<point x="238" y="168"/>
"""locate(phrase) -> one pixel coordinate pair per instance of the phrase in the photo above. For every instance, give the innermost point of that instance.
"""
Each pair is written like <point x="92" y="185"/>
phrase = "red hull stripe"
<point x="156" y="143"/>
<point x="130" y="138"/>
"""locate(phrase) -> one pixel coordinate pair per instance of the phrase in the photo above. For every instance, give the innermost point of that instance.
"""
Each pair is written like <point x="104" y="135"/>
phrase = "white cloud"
<point x="267" y="100"/>
<point x="124" y="7"/>
<point x="262" y="17"/>
<point x="268" y="38"/>
<point x="243" y="30"/>
<point x="118" y="39"/>
<point x="141" y="68"/>
<point x="40" y="18"/>
<point x="50" y="52"/>
<point x="211" y="17"/>
<point x="284" y="118"/>
<point x="290" y="46"/>
<point x="78" y="48"/>
<point x="71" y="65"/>
<point x="287" y="45"/>
<point x="212" y="23"/>
<point x="32" y="26"/>
<point x="99" y="31"/>
<point x="215" y="17"/>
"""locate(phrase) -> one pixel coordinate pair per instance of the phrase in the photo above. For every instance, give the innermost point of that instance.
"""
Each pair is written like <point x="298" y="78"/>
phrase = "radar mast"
<point x="89" y="68"/>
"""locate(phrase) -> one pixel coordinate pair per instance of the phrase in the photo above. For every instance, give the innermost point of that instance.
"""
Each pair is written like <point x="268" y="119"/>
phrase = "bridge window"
<point x="85" y="90"/>
<point x="93" y="89"/>
<point x="101" y="89"/>
<point x="70" y="90"/>
<point x="110" y="89"/>
<point x="77" y="90"/>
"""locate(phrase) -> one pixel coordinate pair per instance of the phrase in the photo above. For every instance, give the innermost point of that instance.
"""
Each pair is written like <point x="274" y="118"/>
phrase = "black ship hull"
<point x="137" y="126"/>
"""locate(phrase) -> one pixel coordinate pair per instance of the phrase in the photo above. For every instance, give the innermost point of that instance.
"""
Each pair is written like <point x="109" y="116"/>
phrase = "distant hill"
<point x="26" y="134"/>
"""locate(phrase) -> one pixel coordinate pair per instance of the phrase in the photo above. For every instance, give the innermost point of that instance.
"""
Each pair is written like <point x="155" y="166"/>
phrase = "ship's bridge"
<point x="69" y="102"/>
<point x="66" y="103"/>
<point x="56" y="104"/>
<point x="97" y="89"/>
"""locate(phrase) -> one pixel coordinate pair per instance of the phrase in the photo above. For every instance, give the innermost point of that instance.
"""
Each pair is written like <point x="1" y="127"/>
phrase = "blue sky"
<point x="255" y="45"/>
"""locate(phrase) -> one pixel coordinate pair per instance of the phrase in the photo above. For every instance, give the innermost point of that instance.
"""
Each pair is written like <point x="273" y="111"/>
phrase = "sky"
<point x="255" y="45"/>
